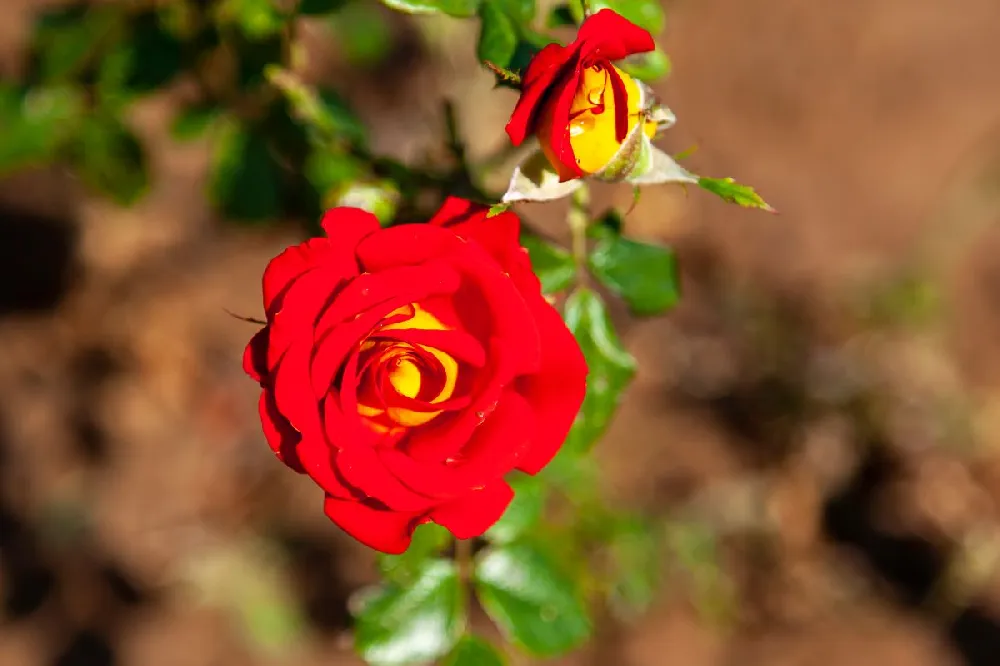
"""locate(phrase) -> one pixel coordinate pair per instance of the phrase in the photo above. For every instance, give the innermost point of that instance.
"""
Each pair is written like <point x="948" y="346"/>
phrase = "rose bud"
<point x="591" y="118"/>
<point x="407" y="370"/>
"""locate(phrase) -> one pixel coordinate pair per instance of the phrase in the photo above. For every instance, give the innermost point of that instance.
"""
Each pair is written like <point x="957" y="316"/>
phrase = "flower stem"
<point x="463" y="560"/>
<point x="578" y="217"/>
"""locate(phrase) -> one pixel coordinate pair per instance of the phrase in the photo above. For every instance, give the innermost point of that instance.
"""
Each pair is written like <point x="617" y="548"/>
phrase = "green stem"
<point x="463" y="560"/>
<point x="578" y="217"/>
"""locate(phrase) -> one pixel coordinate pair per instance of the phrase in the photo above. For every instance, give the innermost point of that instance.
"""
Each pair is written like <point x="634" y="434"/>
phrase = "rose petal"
<point x="494" y="449"/>
<point x="471" y="515"/>
<point x="382" y="529"/>
<point x="362" y="468"/>
<point x="347" y="226"/>
<point x="393" y="285"/>
<point x="460" y="345"/>
<point x="545" y="73"/>
<point x="453" y="211"/>
<point x="611" y="36"/>
<point x="301" y="305"/>
<point x="559" y="140"/>
<point x="255" y="355"/>
<point x="289" y="266"/>
<point x="280" y="435"/>
<point x="444" y="437"/>
<point x="556" y="391"/>
<point x="620" y="96"/>
<point x="292" y="391"/>
<point x="336" y="337"/>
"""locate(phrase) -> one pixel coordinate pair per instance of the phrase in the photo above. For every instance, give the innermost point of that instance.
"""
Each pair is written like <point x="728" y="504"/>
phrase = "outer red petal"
<point x="384" y="530"/>
<point x="456" y="210"/>
<point x="545" y="73"/>
<point x="255" y="355"/>
<point x="499" y="235"/>
<point x="611" y="36"/>
<point x="301" y="305"/>
<point x="280" y="435"/>
<point x="471" y="515"/>
<point x="293" y="392"/>
<point x="288" y="266"/>
<point x="559" y="138"/>
<point x="556" y="391"/>
<point x="347" y="226"/>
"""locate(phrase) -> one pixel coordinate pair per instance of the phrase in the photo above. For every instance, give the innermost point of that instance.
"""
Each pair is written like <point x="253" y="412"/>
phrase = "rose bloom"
<point x="407" y="370"/>
<point x="579" y="105"/>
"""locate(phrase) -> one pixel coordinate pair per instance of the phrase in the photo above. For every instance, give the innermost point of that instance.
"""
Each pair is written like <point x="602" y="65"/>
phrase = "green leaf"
<point x="416" y="623"/>
<point x="646" y="14"/>
<point x="521" y="11"/>
<point x="732" y="192"/>
<point x="319" y="7"/>
<point x="155" y="54"/>
<point x="647" y="67"/>
<point x="429" y="539"/>
<point x="643" y="274"/>
<point x="246" y="179"/>
<point x="459" y="8"/>
<point x="36" y="123"/>
<point x="611" y="367"/>
<point x="553" y="265"/>
<point x="109" y="158"/>
<point x="636" y="557"/>
<point x="69" y="40"/>
<point x="192" y="122"/>
<point x="531" y="600"/>
<point x="473" y="651"/>
<point x="497" y="209"/>
<point x="497" y="35"/>
<point x="524" y="511"/>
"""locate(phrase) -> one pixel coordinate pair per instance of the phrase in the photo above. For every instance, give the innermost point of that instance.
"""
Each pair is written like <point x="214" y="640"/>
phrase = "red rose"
<point x="579" y="105"/>
<point x="407" y="370"/>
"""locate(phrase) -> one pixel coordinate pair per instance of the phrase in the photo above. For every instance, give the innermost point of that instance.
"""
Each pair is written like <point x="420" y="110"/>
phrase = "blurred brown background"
<point x="824" y="400"/>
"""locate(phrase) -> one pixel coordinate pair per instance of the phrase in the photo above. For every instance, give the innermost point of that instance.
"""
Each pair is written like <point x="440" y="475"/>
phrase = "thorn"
<point x="249" y="320"/>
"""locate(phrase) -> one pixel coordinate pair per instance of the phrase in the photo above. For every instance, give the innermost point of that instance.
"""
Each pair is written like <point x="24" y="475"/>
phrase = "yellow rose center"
<point x="400" y="382"/>
<point x="592" y="121"/>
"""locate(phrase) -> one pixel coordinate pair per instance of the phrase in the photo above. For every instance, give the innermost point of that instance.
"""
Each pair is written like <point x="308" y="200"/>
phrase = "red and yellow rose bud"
<point x="591" y="118"/>
<point x="597" y="149"/>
